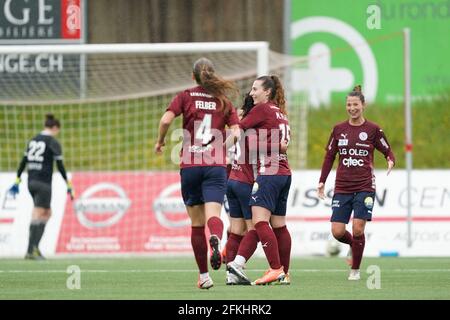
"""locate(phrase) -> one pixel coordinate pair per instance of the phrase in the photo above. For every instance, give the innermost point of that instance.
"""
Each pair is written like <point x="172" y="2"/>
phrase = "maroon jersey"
<point x="272" y="126"/>
<point x="204" y="127"/>
<point x="355" y="145"/>
<point x="242" y="168"/>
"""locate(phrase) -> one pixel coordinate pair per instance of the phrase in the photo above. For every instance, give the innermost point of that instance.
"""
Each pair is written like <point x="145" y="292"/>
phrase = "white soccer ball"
<point x="333" y="248"/>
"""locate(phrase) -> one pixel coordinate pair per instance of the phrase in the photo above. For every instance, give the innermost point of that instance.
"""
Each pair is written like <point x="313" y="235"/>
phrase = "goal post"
<point x="261" y="47"/>
<point x="15" y="59"/>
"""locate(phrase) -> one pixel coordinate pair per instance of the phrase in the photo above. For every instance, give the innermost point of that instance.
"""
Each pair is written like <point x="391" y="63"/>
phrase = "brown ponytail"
<point x="276" y="91"/>
<point x="215" y="85"/>
<point x="357" y="92"/>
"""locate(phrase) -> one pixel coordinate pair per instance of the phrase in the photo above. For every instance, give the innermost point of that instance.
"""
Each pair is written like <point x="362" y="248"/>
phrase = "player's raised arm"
<point x="164" y="125"/>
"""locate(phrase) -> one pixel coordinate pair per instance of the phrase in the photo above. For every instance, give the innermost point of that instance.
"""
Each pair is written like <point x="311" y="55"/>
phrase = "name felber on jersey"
<point x="205" y="105"/>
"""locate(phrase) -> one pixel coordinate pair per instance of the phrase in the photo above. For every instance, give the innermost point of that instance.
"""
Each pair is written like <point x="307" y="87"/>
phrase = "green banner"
<point x="352" y="42"/>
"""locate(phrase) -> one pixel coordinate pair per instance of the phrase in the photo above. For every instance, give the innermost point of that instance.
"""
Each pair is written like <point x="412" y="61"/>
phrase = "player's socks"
<point x="32" y="236"/>
<point x="40" y="231"/>
<point x="198" y="241"/>
<point x="232" y="246"/>
<point x="248" y="245"/>
<point x="215" y="226"/>
<point x="269" y="244"/>
<point x="240" y="260"/>
<point x="284" y="246"/>
<point x="357" y="250"/>
<point x="346" y="238"/>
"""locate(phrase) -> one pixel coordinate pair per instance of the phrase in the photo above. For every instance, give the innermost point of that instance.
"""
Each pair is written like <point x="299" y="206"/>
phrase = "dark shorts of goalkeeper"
<point x="41" y="193"/>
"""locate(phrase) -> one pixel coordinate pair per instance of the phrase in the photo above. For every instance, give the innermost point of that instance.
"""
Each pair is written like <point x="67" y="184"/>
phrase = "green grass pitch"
<point x="175" y="279"/>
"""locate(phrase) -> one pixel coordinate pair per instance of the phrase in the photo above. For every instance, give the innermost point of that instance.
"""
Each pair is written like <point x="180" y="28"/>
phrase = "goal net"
<point x="109" y="99"/>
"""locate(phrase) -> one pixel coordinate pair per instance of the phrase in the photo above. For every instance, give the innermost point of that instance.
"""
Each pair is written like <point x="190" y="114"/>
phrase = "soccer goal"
<point x="109" y="98"/>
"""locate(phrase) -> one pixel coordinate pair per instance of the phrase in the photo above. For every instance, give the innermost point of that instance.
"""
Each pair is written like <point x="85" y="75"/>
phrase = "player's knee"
<point x="358" y="229"/>
<point x="277" y="221"/>
<point x="357" y="232"/>
<point x="46" y="214"/>
<point x="338" y="233"/>
<point x="197" y="223"/>
<point x="238" y="227"/>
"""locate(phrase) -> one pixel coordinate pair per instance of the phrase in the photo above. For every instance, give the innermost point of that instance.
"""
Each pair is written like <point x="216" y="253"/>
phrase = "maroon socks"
<point x="269" y="243"/>
<point x="284" y="246"/>
<point x="357" y="250"/>
<point x="346" y="238"/>
<point x="198" y="241"/>
<point x="232" y="246"/>
<point x="248" y="244"/>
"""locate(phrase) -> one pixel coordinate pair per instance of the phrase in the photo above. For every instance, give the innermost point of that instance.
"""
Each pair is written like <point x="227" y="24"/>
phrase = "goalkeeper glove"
<point x="14" y="190"/>
<point x="70" y="190"/>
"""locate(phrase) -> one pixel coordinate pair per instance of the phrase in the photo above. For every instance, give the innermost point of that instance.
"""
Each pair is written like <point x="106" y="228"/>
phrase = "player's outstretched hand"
<point x="14" y="190"/>
<point x="390" y="166"/>
<point x="70" y="190"/>
<point x="158" y="147"/>
<point x="321" y="190"/>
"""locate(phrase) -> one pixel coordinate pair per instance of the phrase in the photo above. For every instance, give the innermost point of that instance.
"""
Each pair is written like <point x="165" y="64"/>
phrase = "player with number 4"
<point x="206" y="111"/>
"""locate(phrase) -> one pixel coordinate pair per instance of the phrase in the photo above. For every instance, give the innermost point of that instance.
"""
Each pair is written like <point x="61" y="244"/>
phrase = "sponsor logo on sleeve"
<point x="384" y="143"/>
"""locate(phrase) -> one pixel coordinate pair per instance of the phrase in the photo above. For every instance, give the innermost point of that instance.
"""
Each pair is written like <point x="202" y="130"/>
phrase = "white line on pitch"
<point x="194" y="270"/>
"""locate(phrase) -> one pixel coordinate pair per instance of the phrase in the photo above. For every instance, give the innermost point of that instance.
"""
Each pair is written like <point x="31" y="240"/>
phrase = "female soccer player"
<point x="206" y="110"/>
<point x="244" y="239"/>
<point x="38" y="157"/>
<point x="270" y="191"/>
<point x="239" y="189"/>
<point x="354" y="190"/>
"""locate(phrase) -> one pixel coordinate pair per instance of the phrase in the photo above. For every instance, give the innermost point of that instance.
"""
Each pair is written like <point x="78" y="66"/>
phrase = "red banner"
<point x="71" y="21"/>
<point x="125" y="213"/>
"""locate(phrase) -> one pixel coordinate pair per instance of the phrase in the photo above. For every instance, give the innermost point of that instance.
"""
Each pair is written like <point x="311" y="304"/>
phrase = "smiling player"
<point x="354" y="190"/>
